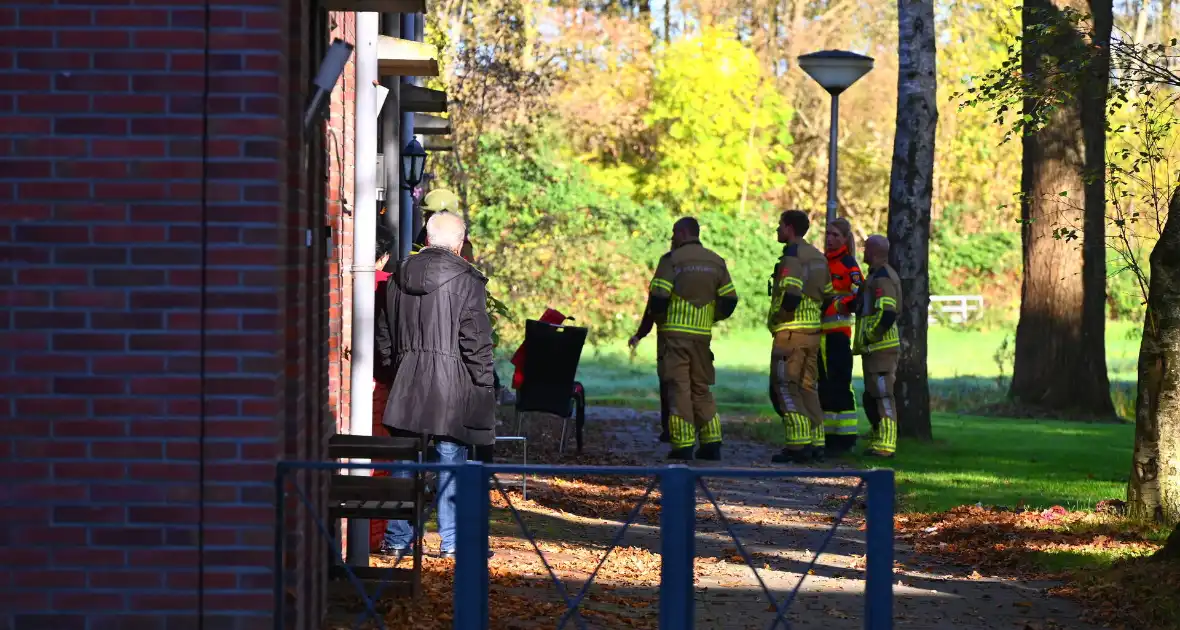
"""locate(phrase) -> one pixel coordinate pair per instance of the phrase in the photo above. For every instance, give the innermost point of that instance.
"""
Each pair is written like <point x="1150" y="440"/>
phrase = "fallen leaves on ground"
<point x="1137" y="592"/>
<point x="1009" y="543"/>
<point x="514" y="602"/>
<point x="572" y="519"/>
<point x="588" y="497"/>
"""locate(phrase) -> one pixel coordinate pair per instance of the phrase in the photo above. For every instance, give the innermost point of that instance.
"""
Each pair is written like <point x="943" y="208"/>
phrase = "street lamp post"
<point x="835" y="71"/>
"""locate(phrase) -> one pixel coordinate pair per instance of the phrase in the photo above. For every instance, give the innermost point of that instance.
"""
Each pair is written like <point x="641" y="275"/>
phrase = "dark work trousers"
<point x="835" y="392"/>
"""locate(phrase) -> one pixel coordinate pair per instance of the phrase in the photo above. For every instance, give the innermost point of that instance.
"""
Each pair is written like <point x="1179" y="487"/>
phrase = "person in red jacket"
<point x="835" y="354"/>
<point x="381" y="379"/>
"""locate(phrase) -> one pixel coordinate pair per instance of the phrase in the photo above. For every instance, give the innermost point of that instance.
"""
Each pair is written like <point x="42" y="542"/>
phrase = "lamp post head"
<point x="413" y="163"/>
<point x="835" y="70"/>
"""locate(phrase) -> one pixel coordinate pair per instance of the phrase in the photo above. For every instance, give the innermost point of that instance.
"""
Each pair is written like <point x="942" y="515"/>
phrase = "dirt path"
<point x="573" y="521"/>
<point x="780" y="523"/>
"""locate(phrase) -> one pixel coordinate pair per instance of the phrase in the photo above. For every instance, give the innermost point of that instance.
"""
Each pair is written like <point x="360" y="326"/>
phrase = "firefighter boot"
<point x="710" y="452"/>
<point x="798" y="440"/>
<point x="684" y="453"/>
<point x="710" y="435"/>
<point x="817" y="443"/>
<point x="792" y="456"/>
<point x="683" y="437"/>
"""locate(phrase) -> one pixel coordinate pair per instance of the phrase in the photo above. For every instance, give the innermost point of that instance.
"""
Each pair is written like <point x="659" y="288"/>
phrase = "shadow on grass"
<point x="996" y="461"/>
<point x="610" y="378"/>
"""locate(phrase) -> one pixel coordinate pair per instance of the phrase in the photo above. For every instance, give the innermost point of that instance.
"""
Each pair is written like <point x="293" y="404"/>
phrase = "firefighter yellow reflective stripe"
<point x="830" y="290"/>
<point x="835" y="322"/>
<point x="885" y="437"/>
<point x="682" y="432"/>
<point x="683" y="316"/>
<point x="807" y="317"/>
<point x="817" y="436"/>
<point x="867" y="324"/>
<point x="840" y="422"/>
<point x="660" y="285"/>
<point x="711" y="434"/>
<point x="726" y="290"/>
<point x="884" y="302"/>
<point x="889" y="341"/>
<point x="798" y="429"/>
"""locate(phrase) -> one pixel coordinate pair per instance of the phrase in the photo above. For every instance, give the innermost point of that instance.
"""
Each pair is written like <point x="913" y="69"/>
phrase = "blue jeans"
<point x="399" y="534"/>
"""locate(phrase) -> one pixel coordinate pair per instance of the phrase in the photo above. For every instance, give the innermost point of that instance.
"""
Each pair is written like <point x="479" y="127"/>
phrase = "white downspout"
<point x="364" y="248"/>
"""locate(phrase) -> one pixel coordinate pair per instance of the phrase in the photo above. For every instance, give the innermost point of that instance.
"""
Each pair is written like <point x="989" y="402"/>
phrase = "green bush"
<point x="547" y="237"/>
<point x="966" y="262"/>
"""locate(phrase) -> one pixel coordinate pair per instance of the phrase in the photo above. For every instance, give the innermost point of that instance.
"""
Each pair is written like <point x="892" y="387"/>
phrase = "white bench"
<point x="956" y="309"/>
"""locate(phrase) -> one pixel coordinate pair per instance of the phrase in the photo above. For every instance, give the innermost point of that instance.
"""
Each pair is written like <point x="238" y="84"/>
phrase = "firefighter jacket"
<point x="798" y="289"/>
<point x="691" y="291"/>
<point x="876" y="323"/>
<point x="846" y="281"/>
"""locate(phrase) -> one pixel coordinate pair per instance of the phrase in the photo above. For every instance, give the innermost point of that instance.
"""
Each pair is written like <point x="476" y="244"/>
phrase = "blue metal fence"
<point x="678" y="486"/>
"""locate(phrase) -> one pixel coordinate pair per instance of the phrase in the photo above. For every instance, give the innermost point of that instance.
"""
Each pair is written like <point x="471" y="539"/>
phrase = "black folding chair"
<point x="550" y="367"/>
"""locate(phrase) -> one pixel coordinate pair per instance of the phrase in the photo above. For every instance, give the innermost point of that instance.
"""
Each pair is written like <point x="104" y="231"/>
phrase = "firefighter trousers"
<point x="835" y="391"/>
<point x="685" y="364"/>
<point x="793" y="367"/>
<point x="880" y="372"/>
<point x="663" y="385"/>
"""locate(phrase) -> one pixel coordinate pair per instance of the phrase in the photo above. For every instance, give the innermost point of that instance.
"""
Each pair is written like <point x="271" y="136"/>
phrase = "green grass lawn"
<point x="974" y="459"/>
<point x="963" y="368"/>
<point x="1001" y="462"/>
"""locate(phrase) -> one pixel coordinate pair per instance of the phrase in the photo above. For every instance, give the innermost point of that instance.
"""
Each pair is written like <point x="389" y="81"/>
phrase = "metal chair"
<point x="550" y="367"/>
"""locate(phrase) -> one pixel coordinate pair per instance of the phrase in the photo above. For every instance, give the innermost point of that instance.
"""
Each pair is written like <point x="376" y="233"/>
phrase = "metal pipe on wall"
<point x="408" y="30"/>
<point x="419" y="36"/>
<point x="391" y="121"/>
<point x="364" y="247"/>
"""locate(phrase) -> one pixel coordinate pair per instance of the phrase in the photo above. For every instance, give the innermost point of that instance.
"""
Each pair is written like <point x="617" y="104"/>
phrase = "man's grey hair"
<point x="446" y="230"/>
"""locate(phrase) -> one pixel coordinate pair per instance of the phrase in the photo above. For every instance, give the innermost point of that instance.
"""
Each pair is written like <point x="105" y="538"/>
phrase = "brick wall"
<point x="140" y="353"/>
<point x="341" y="193"/>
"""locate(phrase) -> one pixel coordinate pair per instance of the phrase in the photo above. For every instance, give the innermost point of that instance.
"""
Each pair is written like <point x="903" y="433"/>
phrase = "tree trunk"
<point x="1154" y="489"/>
<point x="667" y="22"/>
<point x="1164" y="32"/>
<point x="1060" y="365"/>
<point x="910" y="187"/>
<point x="1171" y="548"/>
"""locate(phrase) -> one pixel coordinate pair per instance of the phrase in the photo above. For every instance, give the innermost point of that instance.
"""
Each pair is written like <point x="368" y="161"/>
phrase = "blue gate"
<point x="678" y="486"/>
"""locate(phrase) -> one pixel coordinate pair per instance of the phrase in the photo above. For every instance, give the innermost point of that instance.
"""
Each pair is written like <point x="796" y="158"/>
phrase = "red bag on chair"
<point x="550" y="316"/>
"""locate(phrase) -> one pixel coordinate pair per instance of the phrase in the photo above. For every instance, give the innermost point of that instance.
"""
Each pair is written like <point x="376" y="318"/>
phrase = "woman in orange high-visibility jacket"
<point x="835" y="355"/>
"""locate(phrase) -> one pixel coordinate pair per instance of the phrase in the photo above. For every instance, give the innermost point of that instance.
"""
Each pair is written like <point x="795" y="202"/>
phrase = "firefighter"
<point x="876" y="340"/>
<point x="437" y="201"/>
<point x="836" y="396"/>
<point x="690" y="292"/>
<point x="800" y="284"/>
<point x="645" y="326"/>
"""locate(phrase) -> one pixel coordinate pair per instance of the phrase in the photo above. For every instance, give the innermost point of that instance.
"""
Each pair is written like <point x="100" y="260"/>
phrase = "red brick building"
<point x="170" y="307"/>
